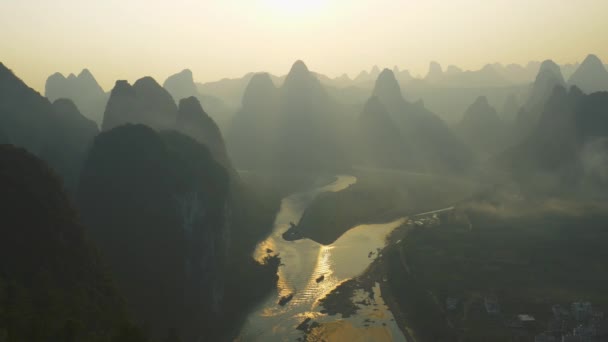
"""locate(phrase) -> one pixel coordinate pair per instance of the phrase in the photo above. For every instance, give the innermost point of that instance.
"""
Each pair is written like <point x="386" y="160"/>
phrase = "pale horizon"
<point x="117" y="40"/>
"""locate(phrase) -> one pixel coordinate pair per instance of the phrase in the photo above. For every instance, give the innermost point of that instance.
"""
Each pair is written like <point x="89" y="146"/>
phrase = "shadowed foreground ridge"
<point x="154" y="203"/>
<point x="53" y="285"/>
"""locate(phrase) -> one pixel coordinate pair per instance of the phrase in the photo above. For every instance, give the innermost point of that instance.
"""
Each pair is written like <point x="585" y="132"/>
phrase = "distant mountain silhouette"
<point x="229" y="90"/>
<point x="343" y="81"/>
<point x="403" y="76"/>
<point x="306" y="137"/>
<point x="375" y="72"/>
<point x="73" y="135"/>
<point x="388" y="92"/>
<point x="487" y="76"/>
<point x="252" y="134"/>
<point x="83" y="90"/>
<point x="195" y="123"/>
<point x="155" y="205"/>
<point x="181" y="86"/>
<point x="569" y="69"/>
<point x="549" y="77"/>
<point x="54" y="284"/>
<point x="567" y="146"/>
<point x="518" y="74"/>
<point x="366" y="79"/>
<point x="453" y="70"/>
<point x="363" y="76"/>
<point x="482" y="128"/>
<point x="145" y="102"/>
<point x="510" y="108"/>
<point x="590" y="76"/>
<point x="295" y="125"/>
<point x="434" y="144"/>
<point x="435" y="73"/>
<point x="379" y="140"/>
<point x="57" y="133"/>
<point x="24" y="114"/>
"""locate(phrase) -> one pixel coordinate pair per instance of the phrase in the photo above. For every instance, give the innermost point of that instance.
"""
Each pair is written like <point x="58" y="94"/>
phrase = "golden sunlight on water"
<point x="341" y="330"/>
<point x="310" y="271"/>
<point x="373" y="322"/>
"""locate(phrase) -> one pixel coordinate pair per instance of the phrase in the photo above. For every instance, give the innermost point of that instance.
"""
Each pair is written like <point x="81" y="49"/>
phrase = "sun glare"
<point x="297" y="8"/>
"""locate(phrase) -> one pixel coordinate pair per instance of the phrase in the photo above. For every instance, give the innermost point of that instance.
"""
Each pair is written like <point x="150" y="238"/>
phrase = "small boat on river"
<point x="285" y="299"/>
<point x="320" y="279"/>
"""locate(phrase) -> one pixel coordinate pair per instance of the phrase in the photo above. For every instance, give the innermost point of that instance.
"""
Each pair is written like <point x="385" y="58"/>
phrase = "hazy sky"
<point x="128" y="39"/>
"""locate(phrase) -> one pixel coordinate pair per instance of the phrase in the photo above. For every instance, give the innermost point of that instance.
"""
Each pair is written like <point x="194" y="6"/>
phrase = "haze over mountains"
<point x="303" y="170"/>
<point x="83" y="90"/>
<point x="482" y="128"/>
<point x="448" y="93"/>
<point x="591" y="76"/>
<point x="137" y="185"/>
<point x="567" y="148"/>
<point x="430" y="140"/>
<point x="277" y="122"/>
<point x="155" y="198"/>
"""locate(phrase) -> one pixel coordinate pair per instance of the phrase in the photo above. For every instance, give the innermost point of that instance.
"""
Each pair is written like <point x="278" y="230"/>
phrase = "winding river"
<point x="303" y="262"/>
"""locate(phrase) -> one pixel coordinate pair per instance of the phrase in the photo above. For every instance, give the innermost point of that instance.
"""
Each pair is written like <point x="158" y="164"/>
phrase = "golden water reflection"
<point x="304" y="262"/>
<point x="345" y="331"/>
<point x="373" y="322"/>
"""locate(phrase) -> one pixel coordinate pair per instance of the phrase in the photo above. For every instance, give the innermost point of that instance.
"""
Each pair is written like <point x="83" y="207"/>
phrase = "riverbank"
<point x="378" y="196"/>
<point x="304" y="263"/>
<point x="352" y="267"/>
<point x="365" y="292"/>
<point x="470" y="276"/>
<point x="411" y="305"/>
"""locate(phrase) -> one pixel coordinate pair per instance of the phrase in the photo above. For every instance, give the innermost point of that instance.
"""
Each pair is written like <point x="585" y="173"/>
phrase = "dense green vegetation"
<point x="528" y="262"/>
